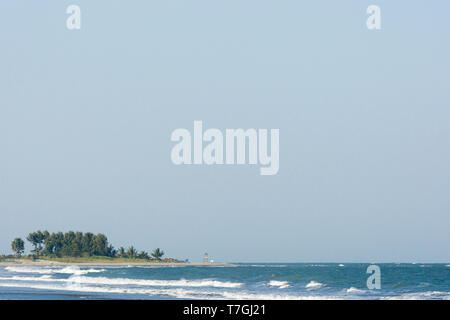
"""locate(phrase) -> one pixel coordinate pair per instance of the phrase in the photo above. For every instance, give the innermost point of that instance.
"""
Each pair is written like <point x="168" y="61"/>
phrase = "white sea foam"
<point x="267" y="296"/>
<point x="318" y="265"/>
<point x="161" y="283"/>
<point x="279" y="284"/>
<point x="427" y="295"/>
<point x="341" y="265"/>
<point x="136" y="282"/>
<point x="256" y="265"/>
<point x="264" y="265"/>
<point x="44" y="278"/>
<point x="314" y="285"/>
<point x="354" y="290"/>
<point x="48" y="283"/>
<point x="46" y="270"/>
<point x="179" y="293"/>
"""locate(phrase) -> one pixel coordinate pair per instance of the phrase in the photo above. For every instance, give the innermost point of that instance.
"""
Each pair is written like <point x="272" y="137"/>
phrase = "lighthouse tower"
<point x="205" y="258"/>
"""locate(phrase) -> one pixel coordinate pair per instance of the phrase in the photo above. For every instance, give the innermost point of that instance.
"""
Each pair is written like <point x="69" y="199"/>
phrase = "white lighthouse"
<point x="205" y="258"/>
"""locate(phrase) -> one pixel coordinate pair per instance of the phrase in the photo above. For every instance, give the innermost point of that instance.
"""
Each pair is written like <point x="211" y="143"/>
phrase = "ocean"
<point x="240" y="281"/>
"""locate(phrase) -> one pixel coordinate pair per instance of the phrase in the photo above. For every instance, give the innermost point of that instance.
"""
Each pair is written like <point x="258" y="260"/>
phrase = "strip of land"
<point x="106" y="263"/>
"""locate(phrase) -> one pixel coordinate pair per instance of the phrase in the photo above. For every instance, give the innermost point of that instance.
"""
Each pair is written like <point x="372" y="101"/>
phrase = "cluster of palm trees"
<point x="77" y="244"/>
<point x="132" y="253"/>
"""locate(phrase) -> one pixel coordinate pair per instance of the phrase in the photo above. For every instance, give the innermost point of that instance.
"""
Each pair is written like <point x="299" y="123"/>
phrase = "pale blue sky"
<point x="364" y="119"/>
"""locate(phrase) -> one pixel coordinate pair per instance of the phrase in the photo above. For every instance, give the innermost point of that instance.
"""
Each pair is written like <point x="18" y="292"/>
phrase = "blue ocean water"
<point x="241" y="281"/>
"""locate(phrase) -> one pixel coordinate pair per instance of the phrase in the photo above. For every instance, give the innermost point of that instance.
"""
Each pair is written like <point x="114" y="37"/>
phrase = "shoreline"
<point x="49" y="263"/>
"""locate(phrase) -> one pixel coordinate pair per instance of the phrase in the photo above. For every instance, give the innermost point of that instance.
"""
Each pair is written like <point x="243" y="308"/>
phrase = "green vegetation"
<point x="36" y="239"/>
<point x="18" y="246"/>
<point x="80" y="247"/>
<point x="157" y="254"/>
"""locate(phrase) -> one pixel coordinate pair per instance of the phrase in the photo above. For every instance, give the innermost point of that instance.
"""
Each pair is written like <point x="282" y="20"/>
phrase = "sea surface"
<point x="241" y="281"/>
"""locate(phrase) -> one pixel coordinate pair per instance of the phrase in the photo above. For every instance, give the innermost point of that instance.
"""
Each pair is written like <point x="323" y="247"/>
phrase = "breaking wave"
<point x="136" y="282"/>
<point x="428" y="295"/>
<point x="179" y="293"/>
<point x="354" y="290"/>
<point x="279" y="284"/>
<point x="65" y="270"/>
<point x="314" y="285"/>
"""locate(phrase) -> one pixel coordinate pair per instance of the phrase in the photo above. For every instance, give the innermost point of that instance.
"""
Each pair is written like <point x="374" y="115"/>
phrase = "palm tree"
<point x="121" y="252"/>
<point x="157" y="253"/>
<point x="131" y="253"/>
<point x="143" y="255"/>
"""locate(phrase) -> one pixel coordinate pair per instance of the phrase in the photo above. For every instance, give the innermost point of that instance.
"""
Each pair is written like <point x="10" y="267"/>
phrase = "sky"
<point x="364" y="119"/>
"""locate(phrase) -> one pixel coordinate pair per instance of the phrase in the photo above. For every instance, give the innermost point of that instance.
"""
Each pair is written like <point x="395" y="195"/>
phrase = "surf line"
<point x="236" y="147"/>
